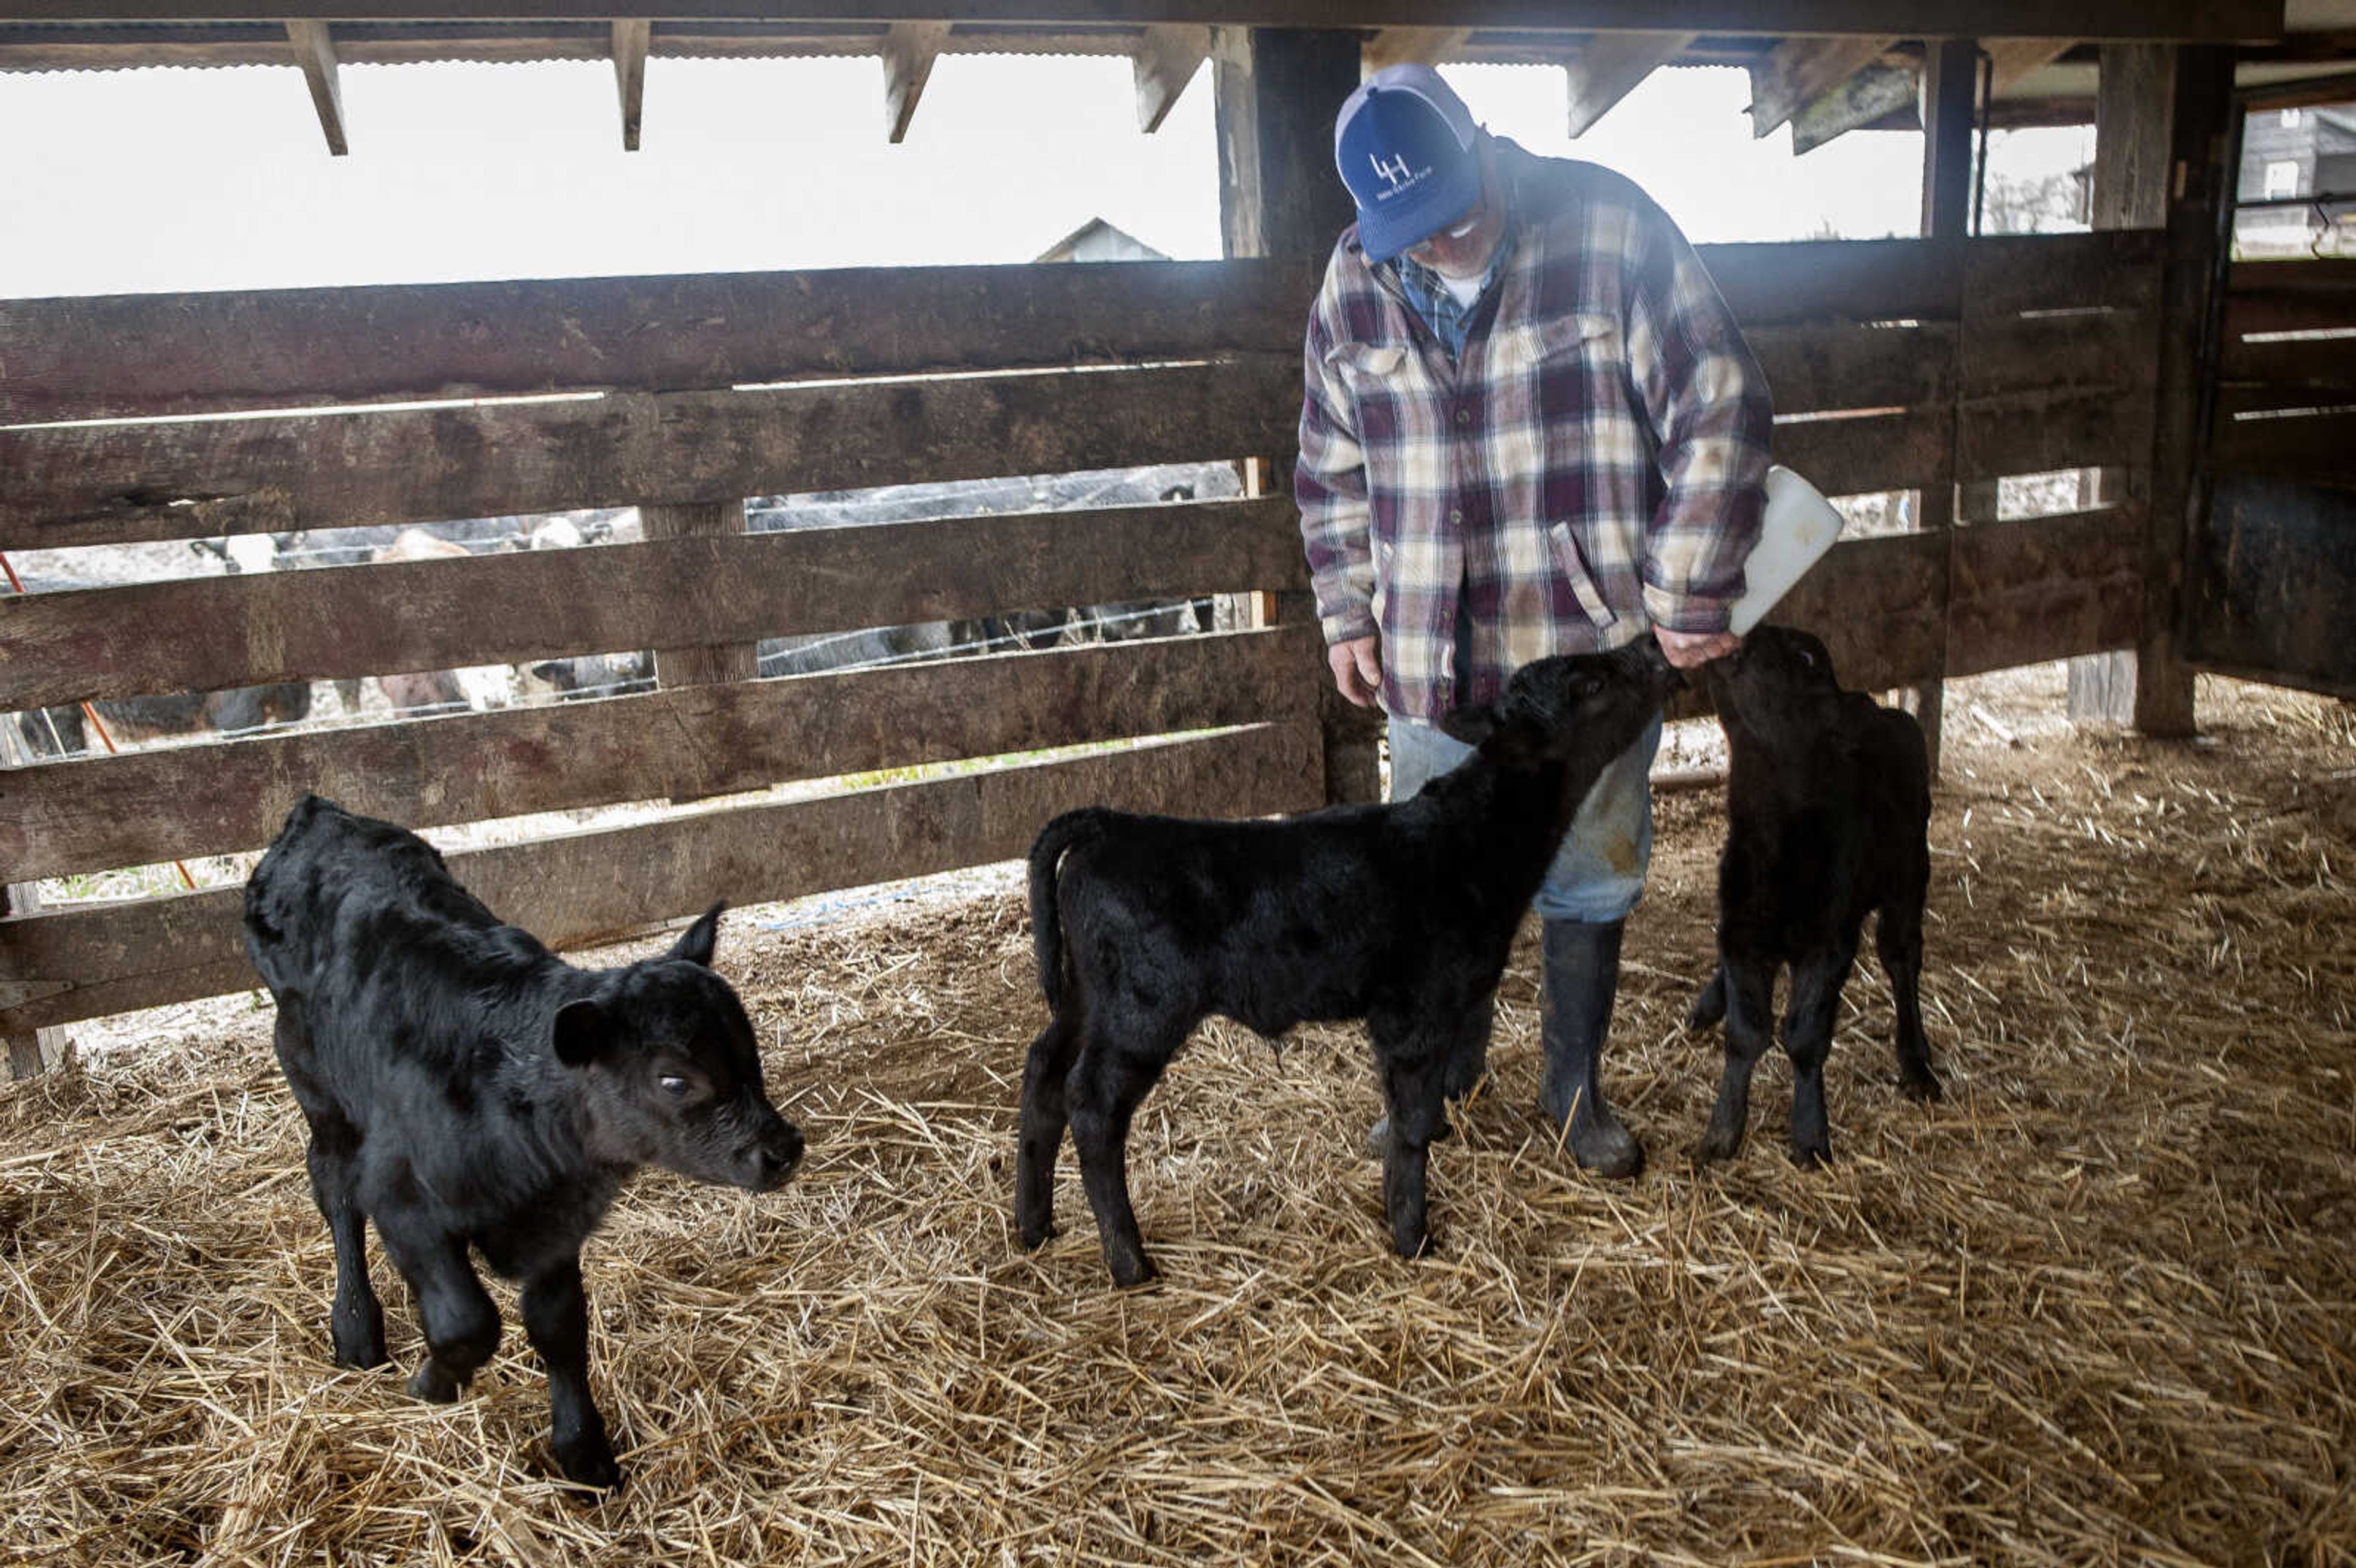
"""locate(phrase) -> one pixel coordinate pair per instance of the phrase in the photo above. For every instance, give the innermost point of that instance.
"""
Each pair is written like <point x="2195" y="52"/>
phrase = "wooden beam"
<point x="208" y="633"/>
<point x="113" y="484"/>
<point x="1165" y="61"/>
<point x="909" y="50"/>
<point x="143" y="807"/>
<point x="1278" y="91"/>
<point x="1801" y="71"/>
<point x="1609" y="66"/>
<point x="2157" y="148"/>
<point x="2219" y="21"/>
<point x="2010" y="60"/>
<point x="582" y="889"/>
<point x="1869" y="98"/>
<point x="314" y="51"/>
<point x="630" y="38"/>
<point x="1410" y="45"/>
<point x="132" y="355"/>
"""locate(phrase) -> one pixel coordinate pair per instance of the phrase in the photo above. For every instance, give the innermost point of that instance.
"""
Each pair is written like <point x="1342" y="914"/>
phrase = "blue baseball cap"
<point x="1408" y="148"/>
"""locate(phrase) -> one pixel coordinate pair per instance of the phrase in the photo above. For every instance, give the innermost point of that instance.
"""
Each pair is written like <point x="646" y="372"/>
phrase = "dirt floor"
<point x="2098" y="1306"/>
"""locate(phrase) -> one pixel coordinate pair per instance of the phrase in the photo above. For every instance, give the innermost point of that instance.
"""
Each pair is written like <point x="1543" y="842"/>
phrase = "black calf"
<point x="465" y="1087"/>
<point x="1401" y="914"/>
<point x="1827" y="806"/>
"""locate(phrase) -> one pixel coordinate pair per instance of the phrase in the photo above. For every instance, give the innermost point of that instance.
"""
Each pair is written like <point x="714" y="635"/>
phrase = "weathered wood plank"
<point x="127" y="354"/>
<point x="1798" y="71"/>
<point x="1769" y="282"/>
<point x="2045" y="588"/>
<point x="581" y="889"/>
<point x="2097" y="349"/>
<point x="1854" y="457"/>
<point x="211" y="633"/>
<point x="75" y="484"/>
<point x="2008" y="274"/>
<point x="2036" y="432"/>
<point x="2319" y="446"/>
<point x="1838" y="364"/>
<point x="1867" y="599"/>
<point x="145" y="806"/>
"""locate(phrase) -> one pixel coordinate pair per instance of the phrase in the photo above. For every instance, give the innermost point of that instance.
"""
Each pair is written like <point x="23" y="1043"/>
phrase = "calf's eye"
<point x="673" y="1085"/>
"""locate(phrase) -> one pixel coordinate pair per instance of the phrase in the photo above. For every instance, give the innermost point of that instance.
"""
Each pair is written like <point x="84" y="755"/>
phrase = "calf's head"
<point x="670" y="1074"/>
<point x="1570" y="708"/>
<point x="1778" y="685"/>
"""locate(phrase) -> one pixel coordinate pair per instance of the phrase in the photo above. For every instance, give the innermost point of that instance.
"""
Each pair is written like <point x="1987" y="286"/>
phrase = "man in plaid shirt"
<point x="1528" y="427"/>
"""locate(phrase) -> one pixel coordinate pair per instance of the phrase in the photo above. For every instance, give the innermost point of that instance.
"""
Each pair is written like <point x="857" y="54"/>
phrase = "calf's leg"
<point x="1899" y="940"/>
<point x="1103" y="1091"/>
<point x="1415" y="1070"/>
<point x="1748" y="986"/>
<point x="355" y="1324"/>
<point x="1817" y="982"/>
<point x="462" y="1326"/>
<point x="1710" y="1006"/>
<point x="1044" y="1117"/>
<point x="556" y="1319"/>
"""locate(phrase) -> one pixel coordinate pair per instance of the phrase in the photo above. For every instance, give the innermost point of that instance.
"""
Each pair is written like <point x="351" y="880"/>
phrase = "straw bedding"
<point x="2094" y="1307"/>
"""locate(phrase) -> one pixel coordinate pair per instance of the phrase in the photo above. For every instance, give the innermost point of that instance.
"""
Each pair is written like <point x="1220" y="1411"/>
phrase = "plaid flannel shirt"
<point x="1588" y="466"/>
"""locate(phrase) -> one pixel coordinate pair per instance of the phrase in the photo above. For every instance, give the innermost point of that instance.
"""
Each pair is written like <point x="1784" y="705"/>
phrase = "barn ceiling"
<point x="1810" y="65"/>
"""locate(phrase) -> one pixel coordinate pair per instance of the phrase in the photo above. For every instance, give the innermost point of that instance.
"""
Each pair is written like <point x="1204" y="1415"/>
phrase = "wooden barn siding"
<point x="1920" y="356"/>
<point x="579" y="889"/>
<point x="2302" y="389"/>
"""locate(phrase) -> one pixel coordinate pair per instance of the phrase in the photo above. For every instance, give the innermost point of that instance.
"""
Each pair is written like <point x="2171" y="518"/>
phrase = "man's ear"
<point x="580" y="1032"/>
<point x="1471" y="725"/>
<point x="696" y="943"/>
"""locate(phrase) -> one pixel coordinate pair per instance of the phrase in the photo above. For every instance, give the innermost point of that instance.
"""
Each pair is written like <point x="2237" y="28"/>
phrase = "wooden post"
<point x="2161" y="115"/>
<point x="1277" y="91"/>
<point x="1950" y="98"/>
<point x="700" y="665"/>
<point x="31" y="1054"/>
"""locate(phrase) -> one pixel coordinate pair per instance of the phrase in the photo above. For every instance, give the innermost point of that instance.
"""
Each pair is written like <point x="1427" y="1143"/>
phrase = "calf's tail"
<point x="1047" y="923"/>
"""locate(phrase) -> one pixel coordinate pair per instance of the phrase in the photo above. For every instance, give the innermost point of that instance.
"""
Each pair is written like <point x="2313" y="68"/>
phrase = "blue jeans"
<point x="1599" y="873"/>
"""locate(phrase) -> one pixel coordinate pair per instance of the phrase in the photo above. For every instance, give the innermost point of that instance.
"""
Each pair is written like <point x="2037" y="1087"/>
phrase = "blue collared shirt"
<point x="1428" y="293"/>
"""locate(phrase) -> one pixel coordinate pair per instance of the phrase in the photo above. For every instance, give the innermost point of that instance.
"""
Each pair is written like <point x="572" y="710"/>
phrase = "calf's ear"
<point x="581" y="1032"/>
<point x="696" y="943"/>
<point x="1471" y="725"/>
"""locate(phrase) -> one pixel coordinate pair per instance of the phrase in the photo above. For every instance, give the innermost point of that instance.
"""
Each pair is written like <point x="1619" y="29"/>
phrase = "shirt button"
<point x="1464" y="416"/>
<point x="1456" y="517"/>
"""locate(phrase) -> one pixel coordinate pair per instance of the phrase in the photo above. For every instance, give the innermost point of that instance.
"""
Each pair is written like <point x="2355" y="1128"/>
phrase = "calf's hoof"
<point x="1811" y="1154"/>
<point x="1715" y="1147"/>
<point x="361" y="1348"/>
<point x="1036" y="1233"/>
<point x="431" y="1382"/>
<point x="1608" y="1149"/>
<point x="1131" y="1269"/>
<point x="1411" y="1247"/>
<point x="589" y="1464"/>
<point x="1923" y="1086"/>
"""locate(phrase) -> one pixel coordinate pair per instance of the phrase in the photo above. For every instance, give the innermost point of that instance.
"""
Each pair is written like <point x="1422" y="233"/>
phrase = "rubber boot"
<point x="1582" y="975"/>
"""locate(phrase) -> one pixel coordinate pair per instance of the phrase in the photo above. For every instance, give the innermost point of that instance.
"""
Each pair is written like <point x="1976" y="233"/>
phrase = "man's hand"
<point x="1691" y="650"/>
<point x="1357" y="670"/>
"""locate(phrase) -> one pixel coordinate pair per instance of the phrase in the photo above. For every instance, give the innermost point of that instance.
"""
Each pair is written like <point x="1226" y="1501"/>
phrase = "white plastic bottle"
<point x="1798" y="527"/>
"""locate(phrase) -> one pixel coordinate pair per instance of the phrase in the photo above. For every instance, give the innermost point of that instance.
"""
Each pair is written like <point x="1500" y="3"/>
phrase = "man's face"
<point x="1463" y="249"/>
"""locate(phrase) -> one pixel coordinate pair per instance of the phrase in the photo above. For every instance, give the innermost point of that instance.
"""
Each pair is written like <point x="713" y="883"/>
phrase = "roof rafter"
<point x="1612" y="65"/>
<point x="314" y="51"/>
<point x="630" y="39"/>
<point x="1801" y="70"/>
<point x="909" y="50"/>
<point x="1410" y="45"/>
<point x="1165" y="63"/>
